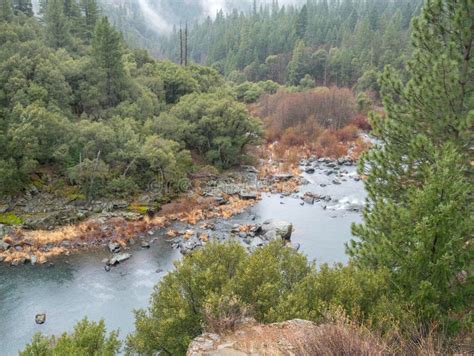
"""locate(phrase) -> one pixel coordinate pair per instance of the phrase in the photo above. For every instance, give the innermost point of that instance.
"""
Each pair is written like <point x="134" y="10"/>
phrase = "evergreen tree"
<point x="6" y="10"/>
<point x="57" y="26"/>
<point x="297" y="68"/>
<point x="107" y="51"/>
<point x="418" y="220"/>
<point x="91" y="14"/>
<point x="24" y="6"/>
<point x="302" y="22"/>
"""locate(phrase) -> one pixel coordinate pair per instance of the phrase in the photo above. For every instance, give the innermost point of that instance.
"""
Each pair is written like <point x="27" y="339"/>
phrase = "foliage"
<point x="274" y="283"/>
<point x="88" y="338"/>
<point x="334" y="42"/>
<point x="418" y="220"/>
<point x="326" y="107"/>
<point x="76" y="99"/>
<point x="216" y="126"/>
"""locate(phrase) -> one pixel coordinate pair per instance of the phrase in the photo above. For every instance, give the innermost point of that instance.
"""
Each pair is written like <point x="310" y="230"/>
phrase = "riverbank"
<point x="186" y="219"/>
<point x="77" y="285"/>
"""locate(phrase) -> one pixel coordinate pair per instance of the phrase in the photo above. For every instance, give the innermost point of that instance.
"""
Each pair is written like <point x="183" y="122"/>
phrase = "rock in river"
<point x="114" y="247"/>
<point x="119" y="258"/>
<point x="40" y="318"/>
<point x="277" y="229"/>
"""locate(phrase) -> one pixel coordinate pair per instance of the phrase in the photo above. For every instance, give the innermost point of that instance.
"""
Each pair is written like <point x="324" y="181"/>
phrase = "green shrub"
<point x="214" y="287"/>
<point x="88" y="338"/>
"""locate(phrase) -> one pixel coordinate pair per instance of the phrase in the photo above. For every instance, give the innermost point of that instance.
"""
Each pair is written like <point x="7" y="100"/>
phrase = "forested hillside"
<point x="335" y="42"/>
<point x="144" y="23"/>
<point x="78" y="108"/>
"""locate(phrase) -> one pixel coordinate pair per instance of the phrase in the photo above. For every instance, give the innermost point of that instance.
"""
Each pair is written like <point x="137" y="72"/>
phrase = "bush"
<point x="348" y="133"/>
<point x="362" y="122"/>
<point x="214" y="288"/>
<point x="88" y="338"/>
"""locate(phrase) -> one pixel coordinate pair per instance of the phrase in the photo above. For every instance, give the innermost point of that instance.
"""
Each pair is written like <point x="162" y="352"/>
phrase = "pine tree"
<point x="298" y="67"/>
<point x="24" y="6"/>
<point x="91" y="14"/>
<point x="57" y="26"/>
<point x="418" y="220"/>
<point x="107" y="51"/>
<point x="302" y="22"/>
<point x="6" y="10"/>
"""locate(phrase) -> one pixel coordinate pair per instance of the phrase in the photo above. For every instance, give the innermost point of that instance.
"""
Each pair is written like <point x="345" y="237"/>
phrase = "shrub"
<point x="362" y="122"/>
<point x="88" y="338"/>
<point x="348" y="133"/>
<point x="214" y="288"/>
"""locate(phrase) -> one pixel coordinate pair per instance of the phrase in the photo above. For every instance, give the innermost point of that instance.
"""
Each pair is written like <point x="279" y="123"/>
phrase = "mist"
<point x="162" y="19"/>
<point x="154" y="19"/>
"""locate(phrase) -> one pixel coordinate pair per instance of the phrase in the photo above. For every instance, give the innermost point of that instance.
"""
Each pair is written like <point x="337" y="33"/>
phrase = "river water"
<point x="78" y="286"/>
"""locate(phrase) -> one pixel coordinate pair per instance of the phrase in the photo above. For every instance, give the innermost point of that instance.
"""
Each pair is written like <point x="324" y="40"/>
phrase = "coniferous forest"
<point x="133" y="132"/>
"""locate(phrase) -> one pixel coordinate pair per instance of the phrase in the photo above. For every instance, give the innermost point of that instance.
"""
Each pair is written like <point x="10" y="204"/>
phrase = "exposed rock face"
<point x="296" y="337"/>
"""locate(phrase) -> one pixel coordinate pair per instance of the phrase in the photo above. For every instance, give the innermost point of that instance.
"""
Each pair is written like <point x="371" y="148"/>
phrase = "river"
<point x="77" y="286"/>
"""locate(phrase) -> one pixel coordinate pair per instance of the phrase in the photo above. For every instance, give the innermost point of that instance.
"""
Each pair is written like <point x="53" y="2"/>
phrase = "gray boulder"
<point x="4" y="246"/>
<point x="145" y="244"/>
<point x="276" y="229"/>
<point x="119" y="258"/>
<point x="114" y="247"/>
<point x="248" y="195"/>
<point x="40" y="318"/>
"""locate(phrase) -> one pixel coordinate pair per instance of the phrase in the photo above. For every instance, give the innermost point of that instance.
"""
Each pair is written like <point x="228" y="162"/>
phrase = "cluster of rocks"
<point x="312" y="198"/>
<point x="251" y="236"/>
<point x="119" y="255"/>
<point x="242" y="183"/>
<point x="331" y="168"/>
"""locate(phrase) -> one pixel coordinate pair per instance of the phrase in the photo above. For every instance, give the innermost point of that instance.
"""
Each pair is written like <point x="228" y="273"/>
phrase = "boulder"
<point x="310" y="170"/>
<point x="294" y="337"/>
<point x="248" y="195"/>
<point x="40" y="318"/>
<point x="276" y="229"/>
<point x="4" y="246"/>
<point x="114" y="247"/>
<point x="119" y="258"/>
<point x="145" y="244"/>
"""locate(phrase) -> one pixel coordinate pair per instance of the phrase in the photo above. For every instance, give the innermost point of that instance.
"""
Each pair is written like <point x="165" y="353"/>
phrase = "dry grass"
<point x="93" y="232"/>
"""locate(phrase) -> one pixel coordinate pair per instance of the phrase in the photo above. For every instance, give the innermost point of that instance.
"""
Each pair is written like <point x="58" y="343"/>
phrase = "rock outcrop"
<point x="296" y="337"/>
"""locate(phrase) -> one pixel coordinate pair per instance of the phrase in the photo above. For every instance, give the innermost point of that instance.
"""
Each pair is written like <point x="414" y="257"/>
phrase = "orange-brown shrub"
<point x="362" y="122"/>
<point x="328" y="145"/>
<point x="328" y="107"/>
<point x="292" y="137"/>
<point x="348" y="133"/>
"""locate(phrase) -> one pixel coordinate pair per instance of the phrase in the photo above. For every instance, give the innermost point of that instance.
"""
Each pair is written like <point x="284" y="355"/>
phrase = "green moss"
<point x="10" y="219"/>
<point x="137" y="208"/>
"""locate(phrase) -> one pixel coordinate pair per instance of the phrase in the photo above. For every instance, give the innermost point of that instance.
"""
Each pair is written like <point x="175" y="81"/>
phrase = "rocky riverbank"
<point x="189" y="221"/>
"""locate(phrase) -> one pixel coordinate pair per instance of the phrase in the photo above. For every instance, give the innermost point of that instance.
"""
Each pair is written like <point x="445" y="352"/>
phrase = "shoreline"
<point x="218" y="197"/>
